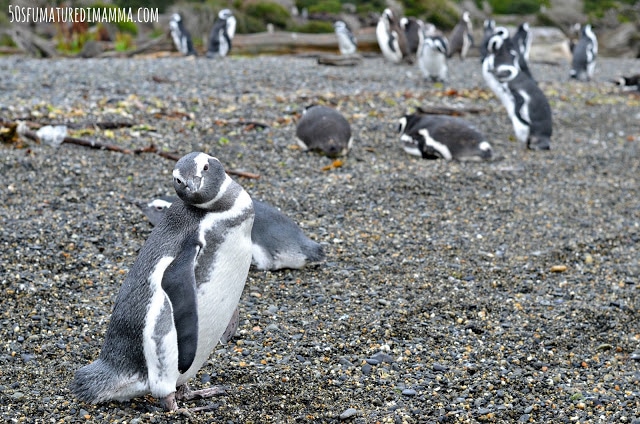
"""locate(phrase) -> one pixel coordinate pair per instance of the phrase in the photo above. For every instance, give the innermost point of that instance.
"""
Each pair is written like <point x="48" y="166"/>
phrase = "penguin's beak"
<point x="193" y="184"/>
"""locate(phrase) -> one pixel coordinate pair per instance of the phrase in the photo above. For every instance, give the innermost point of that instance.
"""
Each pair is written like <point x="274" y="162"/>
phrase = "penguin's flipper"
<point x="179" y="283"/>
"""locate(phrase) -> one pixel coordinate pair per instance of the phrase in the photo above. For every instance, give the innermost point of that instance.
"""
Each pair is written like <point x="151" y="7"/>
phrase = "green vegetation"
<point x="520" y="7"/>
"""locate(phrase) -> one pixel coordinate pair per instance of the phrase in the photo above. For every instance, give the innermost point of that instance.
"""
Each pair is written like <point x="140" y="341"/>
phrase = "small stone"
<point x="409" y="392"/>
<point x="348" y="413"/>
<point x="558" y="268"/>
<point x="17" y="395"/>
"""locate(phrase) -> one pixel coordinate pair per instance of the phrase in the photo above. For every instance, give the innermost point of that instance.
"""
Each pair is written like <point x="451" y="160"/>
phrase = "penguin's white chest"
<point x="218" y="295"/>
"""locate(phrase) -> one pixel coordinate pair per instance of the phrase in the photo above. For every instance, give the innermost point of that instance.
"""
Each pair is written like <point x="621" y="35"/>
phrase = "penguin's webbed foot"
<point x="169" y="402"/>
<point x="185" y="393"/>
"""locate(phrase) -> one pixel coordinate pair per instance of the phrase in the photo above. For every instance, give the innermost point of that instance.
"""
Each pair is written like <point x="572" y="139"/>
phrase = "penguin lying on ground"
<point x="631" y="82"/>
<point x="347" y="43"/>
<point x="180" y="294"/>
<point x="441" y="136"/>
<point x="224" y="28"/>
<point x="583" y="64"/>
<point x="181" y="37"/>
<point x="324" y="130"/>
<point x="278" y="242"/>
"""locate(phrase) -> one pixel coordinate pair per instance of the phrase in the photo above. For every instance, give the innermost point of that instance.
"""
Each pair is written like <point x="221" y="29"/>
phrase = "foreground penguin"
<point x="584" y="52"/>
<point x="180" y="294"/>
<point x="461" y="38"/>
<point x="180" y="35"/>
<point x="432" y="56"/>
<point x="324" y="130"/>
<point x="278" y="242"/>
<point x="631" y="82"/>
<point x="391" y="37"/>
<point x="347" y="43"/>
<point x="441" y="136"/>
<point x="224" y="28"/>
<point x="528" y="107"/>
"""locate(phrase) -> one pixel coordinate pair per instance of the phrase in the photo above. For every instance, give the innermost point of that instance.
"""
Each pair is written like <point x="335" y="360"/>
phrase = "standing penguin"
<point x="391" y="38"/>
<point x="529" y="109"/>
<point x="412" y="28"/>
<point x="180" y="294"/>
<point x="522" y="42"/>
<point x="278" y="242"/>
<point x="324" y="130"/>
<point x="489" y="26"/>
<point x="432" y="56"/>
<point x="499" y="52"/>
<point x="584" y="52"/>
<point x="347" y="43"/>
<point x="224" y="28"/>
<point x="180" y="35"/>
<point x="461" y="39"/>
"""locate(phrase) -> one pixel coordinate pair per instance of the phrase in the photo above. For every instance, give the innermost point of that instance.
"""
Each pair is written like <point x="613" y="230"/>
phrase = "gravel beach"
<point x="502" y="291"/>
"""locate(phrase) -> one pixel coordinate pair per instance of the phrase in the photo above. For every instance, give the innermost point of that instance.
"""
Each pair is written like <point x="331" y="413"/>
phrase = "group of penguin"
<point x="181" y="295"/>
<point x="220" y="37"/>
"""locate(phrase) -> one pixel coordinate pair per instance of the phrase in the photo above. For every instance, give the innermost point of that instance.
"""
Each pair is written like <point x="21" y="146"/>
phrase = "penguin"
<point x="631" y="82"/>
<point x="440" y="136"/>
<point x="499" y="52"/>
<point x="489" y="26"/>
<point x="324" y="130"/>
<point x="529" y="110"/>
<point x="432" y="56"/>
<point x="412" y="28"/>
<point x="585" y="52"/>
<point x="181" y="37"/>
<point x="461" y="38"/>
<point x="180" y="295"/>
<point x="277" y="241"/>
<point x="522" y="42"/>
<point x="347" y="43"/>
<point x="391" y="38"/>
<point x="224" y="28"/>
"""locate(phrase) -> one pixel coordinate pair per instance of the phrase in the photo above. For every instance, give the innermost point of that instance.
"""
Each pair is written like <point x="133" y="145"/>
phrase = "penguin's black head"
<point x="198" y="179"/>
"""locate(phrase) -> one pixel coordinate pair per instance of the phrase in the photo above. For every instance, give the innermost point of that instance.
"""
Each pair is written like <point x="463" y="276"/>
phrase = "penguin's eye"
<point x="179" y="181"/>
<point x="159" y="208"/>
<point x="206" y="166"/>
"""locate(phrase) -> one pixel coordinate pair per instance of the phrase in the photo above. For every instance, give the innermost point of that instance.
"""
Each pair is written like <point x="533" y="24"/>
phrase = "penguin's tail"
<point x="313" y="251"/>
<point x="98" y="382"/>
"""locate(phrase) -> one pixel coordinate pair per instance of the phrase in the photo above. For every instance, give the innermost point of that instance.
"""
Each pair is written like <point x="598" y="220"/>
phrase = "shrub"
<point x="269" y="12"/>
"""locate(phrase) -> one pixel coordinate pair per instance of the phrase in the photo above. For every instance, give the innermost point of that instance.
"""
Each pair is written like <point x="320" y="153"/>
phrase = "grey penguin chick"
<point x="278" y="242"/>
<point x="347" y="42"/>
<point x="180" y="294"/>
<point x="440" y="136"/>
<point x="324" y="130"/>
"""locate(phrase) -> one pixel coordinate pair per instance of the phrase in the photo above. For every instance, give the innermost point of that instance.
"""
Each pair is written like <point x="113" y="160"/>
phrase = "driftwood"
<point x="444" y="110"/>
<point x="30" y="43"/>
<point x="340" y="60"/>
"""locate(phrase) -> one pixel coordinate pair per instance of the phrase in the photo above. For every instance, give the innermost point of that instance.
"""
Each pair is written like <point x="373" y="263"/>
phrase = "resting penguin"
<point x="442" y="136"/>
<point x="585" y="52"/>
<point x="324" y="130"/>
<point x="628" y="83"/>
<point x="347" y="43"/>
<point x="224" y="28"/>
<point x="529" y="110"/>
<point x="180" y="35"/>
<point x="461" y="38"/>
<point x="391" y="38"/>
<point x="180" y="294"/>
<point x="432" y="56"/>
<point x="278" y="242"/>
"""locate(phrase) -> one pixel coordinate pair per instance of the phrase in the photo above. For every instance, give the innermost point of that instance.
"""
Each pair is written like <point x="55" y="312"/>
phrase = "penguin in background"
<point x="181" y="37"/>
<point x="585" y="53"/>
<point x="522" y="41"/>
<point x="224" y="28"/>
<point x="278" y="242"/>
<point x="496" y="56"/>
<point x="527" y="107"/>
<point x="391" y="37"/>
<point x="180" y="295"/>
<point x="433" y="51"/>
<point x="461" y="38"/>
<point x="347" y="42"/>
<point x="324" y="130"/>
<point x="489" y="26"/>
<point x="442" y="137"/>
<point x="412" y="28"/>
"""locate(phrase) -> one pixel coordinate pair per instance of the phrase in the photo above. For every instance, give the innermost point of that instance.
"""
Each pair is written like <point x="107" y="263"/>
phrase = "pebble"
<point x="348" y="413"/>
